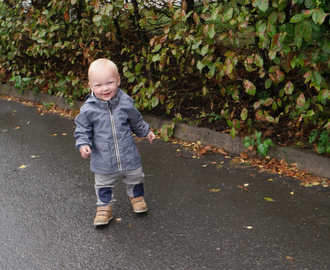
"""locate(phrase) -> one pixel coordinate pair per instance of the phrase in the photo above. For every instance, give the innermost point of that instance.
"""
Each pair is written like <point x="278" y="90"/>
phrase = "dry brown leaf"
<point x="222" y="151"/>
<point x="242" y="187"/>
<point x="244" y="155"/>
<point x="290" y="258"/>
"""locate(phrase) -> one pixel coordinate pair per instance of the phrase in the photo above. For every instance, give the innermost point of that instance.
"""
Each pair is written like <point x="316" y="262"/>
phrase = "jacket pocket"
<point x="131" y="151"/>
<point x="100" y="156"/>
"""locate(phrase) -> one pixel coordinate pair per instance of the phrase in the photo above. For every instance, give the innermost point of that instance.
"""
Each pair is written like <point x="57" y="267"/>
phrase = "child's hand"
<point x="85" y="151"/>
<point x="151" y="136"/>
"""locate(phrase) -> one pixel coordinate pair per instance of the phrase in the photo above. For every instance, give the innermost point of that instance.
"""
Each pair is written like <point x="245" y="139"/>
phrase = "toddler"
<point x="104" y="129"/>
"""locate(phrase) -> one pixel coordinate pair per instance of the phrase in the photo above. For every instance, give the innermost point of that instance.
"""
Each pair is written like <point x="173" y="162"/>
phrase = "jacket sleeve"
<point x="138" y="125"/>
<point x="84" y="130"/>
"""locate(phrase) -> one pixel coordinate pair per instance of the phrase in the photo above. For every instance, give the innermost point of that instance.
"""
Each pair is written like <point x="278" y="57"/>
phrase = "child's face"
<point x="103" y="81"/>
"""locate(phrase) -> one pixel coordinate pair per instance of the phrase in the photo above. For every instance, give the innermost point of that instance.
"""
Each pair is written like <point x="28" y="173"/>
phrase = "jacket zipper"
<point x="112" y="120"/>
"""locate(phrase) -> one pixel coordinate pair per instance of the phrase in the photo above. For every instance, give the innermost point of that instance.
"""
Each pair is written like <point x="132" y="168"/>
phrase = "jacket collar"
<point x="104" y="104"/>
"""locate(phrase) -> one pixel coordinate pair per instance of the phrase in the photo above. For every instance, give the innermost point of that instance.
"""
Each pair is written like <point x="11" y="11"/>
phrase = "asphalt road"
<point x="198" y="217"/>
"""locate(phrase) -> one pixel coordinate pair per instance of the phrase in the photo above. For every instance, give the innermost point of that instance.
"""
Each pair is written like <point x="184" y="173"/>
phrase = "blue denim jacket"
<point x="107" y="126"/>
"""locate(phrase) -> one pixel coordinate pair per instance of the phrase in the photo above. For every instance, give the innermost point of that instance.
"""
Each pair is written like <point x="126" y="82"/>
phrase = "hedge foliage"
<point x="239" y="61"/>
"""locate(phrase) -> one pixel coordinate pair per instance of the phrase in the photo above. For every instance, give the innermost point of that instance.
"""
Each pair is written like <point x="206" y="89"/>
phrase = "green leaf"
<point x="323" y="95"/>
<point x="307" y="34"/>
<point x="156" y="58"/>
<point x="268" y="83"/>
<point x="229" y="14"/>
<point x="263" y="5"/>
<point x="316" y="77"/>
<point x="319" y="15"/>
<point x="288" y="88"/>
<point x="200" y="65"/>
<point x="249" y="87"/>
<point x="310" y="113"/>
<point x="262" y="149"/>
<point x="211" y="31"/>
<point x="205" y="49"/>
<point x="301" y="100"/>
<point x="268" y="101"/>
<point x="269" y="142"/>
<point x="282" y="4"/>
<point x="269" y="199"/>
<point x="196" y="45"/>
<point x="244" y="114"/>
<point x="97" y="18"/>
<point x="154" y="101"/>
<point x="297" y="18"/>
<point x="157" y="48"/>
<point x="247" y="141"/>
<point x="233" y="132"/>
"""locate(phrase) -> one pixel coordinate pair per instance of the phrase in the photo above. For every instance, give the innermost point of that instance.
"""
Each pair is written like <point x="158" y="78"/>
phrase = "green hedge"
<point x="244" y="61"/>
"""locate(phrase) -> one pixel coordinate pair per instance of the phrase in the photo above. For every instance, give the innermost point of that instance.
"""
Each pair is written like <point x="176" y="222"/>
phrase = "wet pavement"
<point x="198" y="217"/>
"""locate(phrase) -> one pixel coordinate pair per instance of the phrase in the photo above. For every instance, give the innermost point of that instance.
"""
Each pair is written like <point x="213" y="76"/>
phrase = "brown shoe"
<point x="103" y="215"/>
<point x="139" y="205"/>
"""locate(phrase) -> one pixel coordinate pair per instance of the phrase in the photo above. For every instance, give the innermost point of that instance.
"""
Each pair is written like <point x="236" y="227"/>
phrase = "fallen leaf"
<point x="290" y="258"/>
<point x="5" y="130"/>
<point x="268" y="132"/>
<point x="204" y="166"/>
<point x="222" y="151"/>
<point x="292" y="192"/>
<point x="215" y="190"/>
<point x="247" y="184"/>
<point x="22" y="167"/>
<point x="63" y="134"/>
<point x="244" y="155"/>
<point x="16" y="128"/>
<point x="269" y="199"/>
<point x="249" y="227"/>
<point x="53" y="135"/>
<point x="242" y="187"/>
<point x="250" y="148"/>
<point x="118" y="219"/>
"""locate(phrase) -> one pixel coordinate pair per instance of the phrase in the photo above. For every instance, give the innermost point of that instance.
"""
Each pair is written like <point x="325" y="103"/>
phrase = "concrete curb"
<point x="306" y="159"/>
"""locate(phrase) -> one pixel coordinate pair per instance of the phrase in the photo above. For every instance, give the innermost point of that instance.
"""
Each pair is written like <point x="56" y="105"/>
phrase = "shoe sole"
<point x="140" y="211"/>
<point x="102" y="223"/>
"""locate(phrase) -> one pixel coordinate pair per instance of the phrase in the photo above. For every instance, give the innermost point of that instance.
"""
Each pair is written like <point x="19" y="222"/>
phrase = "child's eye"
<point x="109" y="82"/>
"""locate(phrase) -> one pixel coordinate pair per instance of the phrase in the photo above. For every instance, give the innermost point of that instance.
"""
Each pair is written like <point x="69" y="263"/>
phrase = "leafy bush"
<point x="322" y="141"/>
<point x="248" y="61"/>
<point x="257" y="141"/>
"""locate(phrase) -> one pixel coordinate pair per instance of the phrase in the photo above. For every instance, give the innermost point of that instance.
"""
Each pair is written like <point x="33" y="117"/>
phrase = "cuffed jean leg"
<point x="104" y="186"/>
<point x="134" y="182"/>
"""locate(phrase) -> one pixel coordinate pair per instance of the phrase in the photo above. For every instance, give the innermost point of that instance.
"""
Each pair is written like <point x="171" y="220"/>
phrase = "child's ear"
<point x="118" y="81"/>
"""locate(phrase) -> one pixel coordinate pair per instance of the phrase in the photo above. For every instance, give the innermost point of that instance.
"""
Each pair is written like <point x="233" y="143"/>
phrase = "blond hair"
<point x="102" y="62"/>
